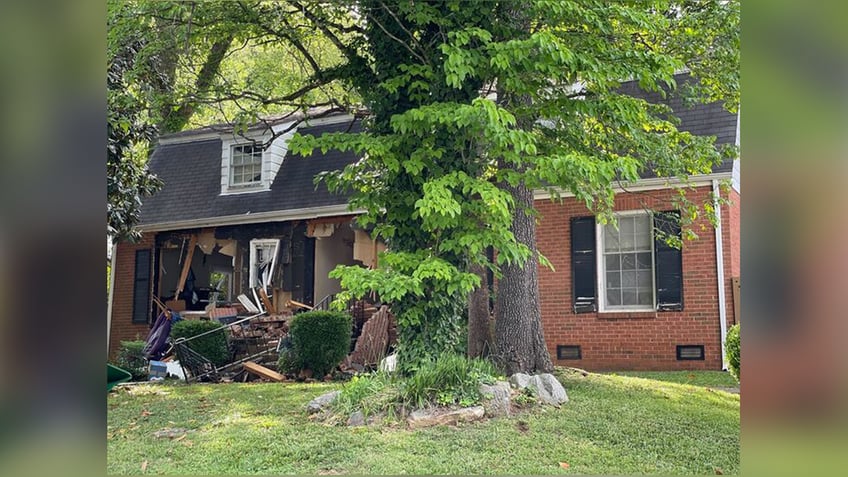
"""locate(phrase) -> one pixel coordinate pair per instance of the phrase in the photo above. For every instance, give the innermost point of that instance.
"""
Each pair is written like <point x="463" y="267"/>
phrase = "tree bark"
<point x="520" y="343"/>
<point x="480" y="338"/>
<point x="174" y="121"/>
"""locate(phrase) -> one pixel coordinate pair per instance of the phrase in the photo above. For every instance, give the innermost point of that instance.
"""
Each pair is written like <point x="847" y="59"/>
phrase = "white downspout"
<point x="722" y="309"/>
<point x="109" y="299"/>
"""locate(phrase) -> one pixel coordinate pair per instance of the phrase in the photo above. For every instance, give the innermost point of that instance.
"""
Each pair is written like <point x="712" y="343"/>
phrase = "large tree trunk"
<point x="479" y="329"/>
<point x="174" y="118"/>
<point x="520" y="344"/>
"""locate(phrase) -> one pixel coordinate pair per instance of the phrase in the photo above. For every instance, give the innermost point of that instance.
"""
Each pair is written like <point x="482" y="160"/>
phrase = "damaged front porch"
<point x="254" y="276"/>
<point x="288" y="262"/>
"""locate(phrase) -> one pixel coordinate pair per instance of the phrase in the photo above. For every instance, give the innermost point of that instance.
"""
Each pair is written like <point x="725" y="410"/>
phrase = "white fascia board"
<point x="248" y="218"/>
<point x="255" y="131"/>
<point x="654" y="183"/>
<point x="200" y="136"/>
<point x="335" y="119"/>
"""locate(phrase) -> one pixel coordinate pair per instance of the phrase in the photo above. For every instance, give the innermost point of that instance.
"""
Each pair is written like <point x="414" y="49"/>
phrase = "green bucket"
<point x="115" y="376"/>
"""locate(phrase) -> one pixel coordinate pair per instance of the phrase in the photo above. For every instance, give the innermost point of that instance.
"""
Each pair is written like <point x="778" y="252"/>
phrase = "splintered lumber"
<point x="276" y="301"/>
<point x="298" y="304"/>
<point x="186" y="265"/>
<point x="269" y="307"/>
<point x="262" y="371"/>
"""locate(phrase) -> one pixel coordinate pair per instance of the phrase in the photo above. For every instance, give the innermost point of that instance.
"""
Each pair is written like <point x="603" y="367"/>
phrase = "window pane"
<point x="610" y="239"/>
<point x="643" y="241"/>
<point x="627" y="225"/>
<point x="246" y="164"/>
<point x="614" y="297"/>
<point x="628" y="261"/>
<point x="643" y="261"/>
<point x="627" y="242"/>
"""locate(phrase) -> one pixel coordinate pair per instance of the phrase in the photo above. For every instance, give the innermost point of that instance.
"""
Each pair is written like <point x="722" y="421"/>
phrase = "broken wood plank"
<point x="298" y="304"/>
<point x="161" y="306"/>
<point x="264" y="372"/>
<point x="186" y="265"/>
<point x="269" y="308"/>
<point x="275" y="300"/>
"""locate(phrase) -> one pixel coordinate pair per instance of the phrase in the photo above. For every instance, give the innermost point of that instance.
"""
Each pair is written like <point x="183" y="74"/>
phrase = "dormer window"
<point x="246" y="165"/>
<point x="250" y="161"/>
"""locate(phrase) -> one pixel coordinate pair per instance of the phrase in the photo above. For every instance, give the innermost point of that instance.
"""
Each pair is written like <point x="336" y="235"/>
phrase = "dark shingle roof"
<point x="700" y="119"/>
<point x="191" y="171"/>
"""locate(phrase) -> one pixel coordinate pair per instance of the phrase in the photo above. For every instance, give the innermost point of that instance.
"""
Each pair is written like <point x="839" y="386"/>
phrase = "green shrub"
<point x="731" y="346"/>
<point x="450" y="379"/>
<point x="287" y="363"/>
<point x="370" y="393"/>
<point x="213" y="346"/>
<point x="320" y="340"/>
<point x="131" y="358"/>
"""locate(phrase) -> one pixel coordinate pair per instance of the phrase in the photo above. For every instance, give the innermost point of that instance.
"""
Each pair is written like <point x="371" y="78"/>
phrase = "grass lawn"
<point x="713" y="379"/>
<point x="612" y="425"/>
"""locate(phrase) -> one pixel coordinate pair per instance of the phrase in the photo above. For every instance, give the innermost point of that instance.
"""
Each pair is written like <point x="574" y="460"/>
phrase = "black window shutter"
<point x="583" y="264"/>
<point x="141" y="287"/>
<point x="669" y="263"/>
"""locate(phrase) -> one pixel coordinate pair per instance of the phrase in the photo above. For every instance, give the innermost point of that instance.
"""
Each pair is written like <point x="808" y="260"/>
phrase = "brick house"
<point x="616" y="299"/>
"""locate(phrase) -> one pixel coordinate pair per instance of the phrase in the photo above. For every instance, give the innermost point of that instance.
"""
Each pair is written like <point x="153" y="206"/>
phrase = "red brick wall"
<point x="638" y="341"/>
<point x="733" y="224"/>
<point x="123" y="329"/>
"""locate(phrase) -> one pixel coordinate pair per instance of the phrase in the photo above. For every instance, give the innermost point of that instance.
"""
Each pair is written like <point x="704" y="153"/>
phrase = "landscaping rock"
<point x="549" y="390"/>
<point x="496" y="398"/>
<point x="429" y="417"/>
<point x="318" y="404"/>
<point x="356" y="419"/>
<point x="520" y="380"/>
<point x="546" y="387"/>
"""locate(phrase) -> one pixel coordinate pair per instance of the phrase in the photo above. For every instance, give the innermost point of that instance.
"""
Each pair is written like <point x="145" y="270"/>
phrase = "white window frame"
<point x="601" y="267"/>
<point x="254" y="184"/>
<point x="254" y="246"/>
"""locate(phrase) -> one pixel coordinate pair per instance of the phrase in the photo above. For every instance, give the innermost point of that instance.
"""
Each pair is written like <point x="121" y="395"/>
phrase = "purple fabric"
<point x="157" y="340"/>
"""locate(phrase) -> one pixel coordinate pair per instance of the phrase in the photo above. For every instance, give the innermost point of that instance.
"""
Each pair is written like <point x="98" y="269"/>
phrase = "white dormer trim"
<point x="272" y="157"/>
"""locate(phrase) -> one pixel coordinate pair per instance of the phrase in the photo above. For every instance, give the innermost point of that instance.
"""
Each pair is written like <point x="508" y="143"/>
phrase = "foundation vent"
<point x="690" y="352"/>
<point x="568" y="352"/>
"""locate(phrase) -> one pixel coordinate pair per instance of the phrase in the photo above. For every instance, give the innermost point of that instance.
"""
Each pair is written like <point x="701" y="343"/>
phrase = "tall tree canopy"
<point x="469" y="107"/>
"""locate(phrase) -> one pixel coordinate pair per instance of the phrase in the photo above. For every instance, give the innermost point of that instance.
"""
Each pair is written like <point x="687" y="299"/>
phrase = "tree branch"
<point x="205" y="78"/>
<point x="322" y="24"/>
<point x="414" y="53"/>
<point x="409" y="33"/>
